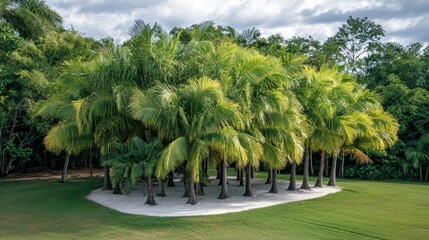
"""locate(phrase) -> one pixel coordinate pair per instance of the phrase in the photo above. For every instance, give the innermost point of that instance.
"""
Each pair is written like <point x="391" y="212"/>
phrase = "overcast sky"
<point x="404" y="21"/>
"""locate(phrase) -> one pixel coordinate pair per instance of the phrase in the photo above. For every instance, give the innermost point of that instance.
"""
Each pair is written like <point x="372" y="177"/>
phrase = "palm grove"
<point x="205" y="97"/>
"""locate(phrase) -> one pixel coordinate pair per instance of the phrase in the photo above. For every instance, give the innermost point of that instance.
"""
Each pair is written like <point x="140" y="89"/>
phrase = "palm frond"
<point x="173" y="155"/>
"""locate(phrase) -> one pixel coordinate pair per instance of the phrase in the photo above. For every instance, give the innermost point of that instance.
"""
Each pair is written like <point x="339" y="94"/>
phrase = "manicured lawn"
<point x="363" y="210"/>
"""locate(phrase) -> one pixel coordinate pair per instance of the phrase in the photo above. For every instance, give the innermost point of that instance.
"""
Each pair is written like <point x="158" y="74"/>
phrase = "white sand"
<point x="175" y="205"/>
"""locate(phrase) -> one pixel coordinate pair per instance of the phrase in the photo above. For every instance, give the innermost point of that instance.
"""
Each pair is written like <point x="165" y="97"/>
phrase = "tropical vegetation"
<point x="207" y="96"/>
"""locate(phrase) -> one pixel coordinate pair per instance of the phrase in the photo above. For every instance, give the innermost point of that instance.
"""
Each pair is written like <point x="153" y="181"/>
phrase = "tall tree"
<point x="355" y="38"/>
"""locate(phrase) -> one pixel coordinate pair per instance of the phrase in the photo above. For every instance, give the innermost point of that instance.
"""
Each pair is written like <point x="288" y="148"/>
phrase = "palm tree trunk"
<point x="252" y="173"/>
<point x="192" y="196"/>
<point x="217" y="172"/>
<point x="90" y="162"/>
<point x="150" y="200"/>
<point x="117" y="188"/>
<point x="248" y="192"/>
<point x="326" y="167"/>
<point x="305" y="184"/>
<point x="332" y="179"/>
<point x="170" y="182"/>
<point x="220" y="174"/>
<point x="238" y="174"/>
<point x="200" y="187"/>
<point x="311" y="164"/>
<point x="342" y="165"/>
<point x="161" y="189"/>
<point x="107" y="185"/>
<point x="319" y="182"/>
<point x="274" y="182"/>
<point x="292" y="178"/>
<point x="187" y="191"/>
<point x="269" y="178"/>
<point x="224" y="190"/>
<point x="241" y="177"/>
<point x="206" y="167"/>
<point x="64" y="172"/>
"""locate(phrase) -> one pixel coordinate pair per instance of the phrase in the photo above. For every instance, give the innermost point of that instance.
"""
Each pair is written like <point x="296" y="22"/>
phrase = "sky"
<point x="404" y="21"/>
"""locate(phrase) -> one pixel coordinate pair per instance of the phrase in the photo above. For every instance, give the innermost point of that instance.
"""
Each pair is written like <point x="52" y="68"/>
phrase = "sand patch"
<point x="175" y="205"/>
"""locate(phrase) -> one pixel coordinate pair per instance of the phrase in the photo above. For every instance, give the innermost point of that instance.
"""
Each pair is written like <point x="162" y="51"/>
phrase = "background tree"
<point x="354" y="39"/>
<point x="30" y="18"/>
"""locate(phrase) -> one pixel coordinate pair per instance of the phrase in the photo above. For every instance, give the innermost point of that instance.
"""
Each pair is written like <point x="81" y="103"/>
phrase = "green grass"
<point x="363" y="210"/>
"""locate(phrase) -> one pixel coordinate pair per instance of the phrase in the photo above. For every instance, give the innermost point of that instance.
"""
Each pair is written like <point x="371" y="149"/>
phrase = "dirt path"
<point x="75" y="173"/>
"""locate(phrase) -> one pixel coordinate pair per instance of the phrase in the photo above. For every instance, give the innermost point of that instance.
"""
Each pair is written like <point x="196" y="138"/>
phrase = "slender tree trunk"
<point x="150" y="200"/>
<point x="224" y="190"/>
<point x="218" y="172"/>
<point x="117" y="188"/>
<point x="64" y="172"/>
<point x="248" y="192"/>
<point x="342" y="165"/>
<point x="161" y="189"/>
<point x="107" y="185"/>
<point x="241" y="177"/>
<point x="311" y="164"/>
<point x="187" y="192"/>
<point x="326" y="167"/>
<point x="274" y="182"/>
<point x="206" y="167"/>
<point x="192" y="196"/>
<point x="269" y="178"/>
<point x="3" y="162"/>
<point x="305" y="184"/>
<point x="238" y="174"/>
<point x="200" y="187"/>
<point x="421" y="173"/>
<point x="252" y="173"/>
<point x="319" y="182"/>
<point x="170" y="182"/>
<point x="332" y="179"/>
<point x="90" y="162"/>
<point x="292" y="178"/>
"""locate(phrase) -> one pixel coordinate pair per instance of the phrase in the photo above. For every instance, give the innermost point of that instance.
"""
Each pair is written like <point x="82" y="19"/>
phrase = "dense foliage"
<point x="209" y="95"/>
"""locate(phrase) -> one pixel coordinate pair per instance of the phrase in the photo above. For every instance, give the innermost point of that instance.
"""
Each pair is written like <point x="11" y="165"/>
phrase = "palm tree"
<point x="322" y="93"/>
<point x="363" y="125"/>
<point x="311" y="93"/>
<point x="65" y="135"/>
<point x="30" y="18"/>
<point x="196" y="119"/>
<point x="135" y="159"/>
<point x="92" y="88"/>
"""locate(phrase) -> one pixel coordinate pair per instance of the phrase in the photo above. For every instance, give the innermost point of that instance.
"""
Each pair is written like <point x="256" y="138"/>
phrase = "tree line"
<point x="210" y="96"/>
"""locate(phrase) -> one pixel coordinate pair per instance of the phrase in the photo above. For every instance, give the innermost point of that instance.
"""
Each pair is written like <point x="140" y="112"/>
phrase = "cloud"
<point x="403" y="21"/>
